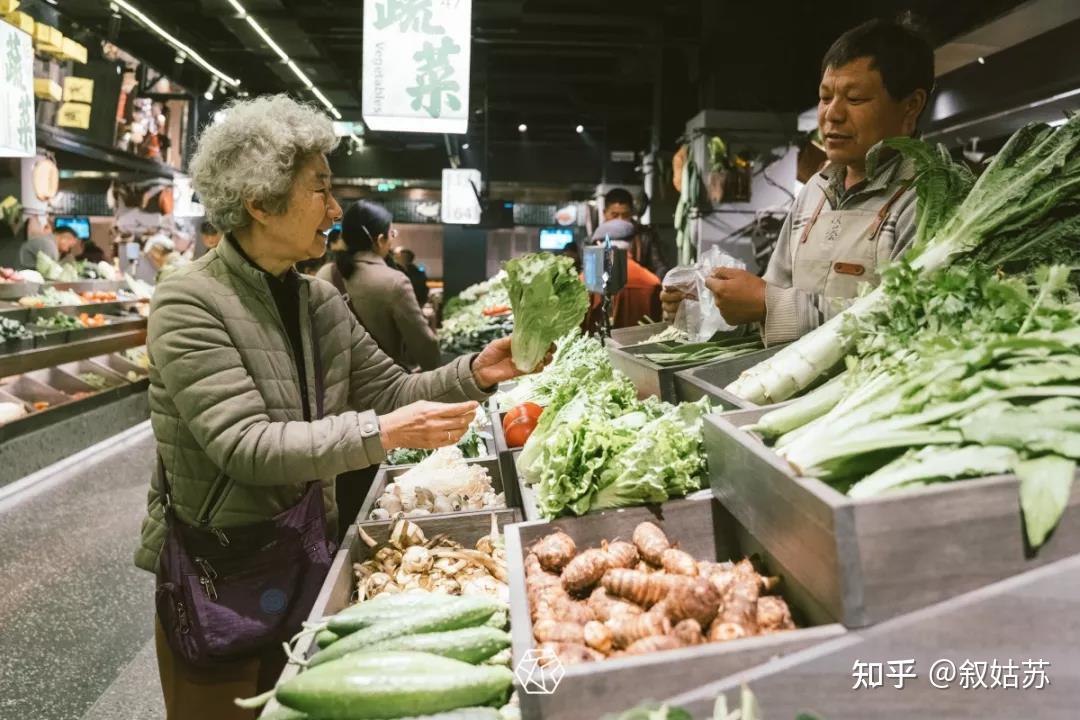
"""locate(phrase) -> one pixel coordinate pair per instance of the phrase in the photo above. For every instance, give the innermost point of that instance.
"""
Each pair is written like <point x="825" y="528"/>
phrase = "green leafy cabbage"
<point x="548" y="299"/>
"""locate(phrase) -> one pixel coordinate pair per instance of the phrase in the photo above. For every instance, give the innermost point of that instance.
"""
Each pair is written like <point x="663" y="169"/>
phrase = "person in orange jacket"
<point x="640" y="299"/>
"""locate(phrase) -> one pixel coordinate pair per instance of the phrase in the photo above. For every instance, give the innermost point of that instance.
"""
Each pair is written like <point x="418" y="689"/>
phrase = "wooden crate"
<point x="506" y="456"/>
<point x="709" y="380"/>
<point x="628" y="337"/>
<point x="650" y="379"/>
<point x="387" y="474"/>
<point x="871" y="559"/>
<point x="337" y="590"/>
<point x="1027" y="617"/>
<point x="705" y="530"/>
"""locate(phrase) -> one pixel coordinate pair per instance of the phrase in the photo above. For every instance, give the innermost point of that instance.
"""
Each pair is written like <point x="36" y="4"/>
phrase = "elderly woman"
<point x="263" y="388"/>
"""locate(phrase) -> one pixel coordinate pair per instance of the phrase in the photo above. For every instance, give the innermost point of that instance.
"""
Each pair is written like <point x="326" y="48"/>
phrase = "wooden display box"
<point x="387" y="474"/>
<point x="340" y="584"/>
<point x="628" y="337"/>
<point x="710" y="380"/>
<point x="708" y="532"/>
<point x="1029" y="616"/>
<point x="650" y="379"/>
<point x="871" y="559"/>
<point x="506" y="456"/>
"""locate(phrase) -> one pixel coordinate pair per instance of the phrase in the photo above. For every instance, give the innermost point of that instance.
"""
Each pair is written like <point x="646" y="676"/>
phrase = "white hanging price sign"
<point x="416" y="65"/>
<point x="18" y="134"/>
<point x="460" y="196"/>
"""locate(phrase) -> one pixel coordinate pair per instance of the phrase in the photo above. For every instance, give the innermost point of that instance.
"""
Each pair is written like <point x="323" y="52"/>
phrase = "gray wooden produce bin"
<point x="337" y="590"/>
<point x="387" y="473"/>
<point x="871" y="559"/>
<point x="709" y="380"/>
<point x="1032" y="616"/>
<point x="507" y="457"/>
<point x="650" y="379"/>
<point x="637" y="335"/>
<point x="705" y="530"/>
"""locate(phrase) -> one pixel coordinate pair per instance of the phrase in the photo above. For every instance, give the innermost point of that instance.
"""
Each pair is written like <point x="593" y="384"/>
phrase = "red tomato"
<point x="529" y="410"/>
<point x="518" y="432"/>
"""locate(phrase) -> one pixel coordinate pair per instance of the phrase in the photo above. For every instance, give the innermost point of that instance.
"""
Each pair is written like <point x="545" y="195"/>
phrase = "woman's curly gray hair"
<point x="254" y="153"/>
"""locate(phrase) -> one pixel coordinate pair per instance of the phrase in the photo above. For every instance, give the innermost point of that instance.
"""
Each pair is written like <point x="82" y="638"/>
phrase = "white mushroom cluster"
<point x="443" y="483"/>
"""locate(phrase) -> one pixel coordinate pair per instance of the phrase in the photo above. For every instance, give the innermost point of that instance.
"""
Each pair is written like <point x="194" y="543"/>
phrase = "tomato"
<point x="518" y="432"/>
<point x="529" y="410"/>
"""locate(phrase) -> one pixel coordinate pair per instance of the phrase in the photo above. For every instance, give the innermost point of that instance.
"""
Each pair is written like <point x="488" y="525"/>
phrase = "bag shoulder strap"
<point x="339" y="283"/>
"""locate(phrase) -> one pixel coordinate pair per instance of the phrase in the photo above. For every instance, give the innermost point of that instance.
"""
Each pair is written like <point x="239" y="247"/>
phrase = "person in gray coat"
<point x="382" y="297"/>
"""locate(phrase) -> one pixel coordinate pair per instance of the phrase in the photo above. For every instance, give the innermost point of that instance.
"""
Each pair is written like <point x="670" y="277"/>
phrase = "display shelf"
<point x="64" y="141"/>
<point x="708" y="532"/>
<point x="28" y="360"/>
<point x="26" y="315"/>
<point x="871" y="559"/>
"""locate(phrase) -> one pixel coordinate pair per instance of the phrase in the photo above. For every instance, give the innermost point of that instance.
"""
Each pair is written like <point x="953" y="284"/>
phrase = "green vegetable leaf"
<point x="548" y="299"/>
<point x="936" y="462"/>
<point x="1045" y="484"/>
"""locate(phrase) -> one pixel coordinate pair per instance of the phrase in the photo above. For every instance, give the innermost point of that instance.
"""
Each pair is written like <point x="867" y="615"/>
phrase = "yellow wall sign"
<point x="78" y="89"/>
<point x="74" y="115"/>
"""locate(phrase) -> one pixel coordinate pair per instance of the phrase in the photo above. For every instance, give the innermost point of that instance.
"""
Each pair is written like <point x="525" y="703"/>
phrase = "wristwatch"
<point x="370" y="433"/>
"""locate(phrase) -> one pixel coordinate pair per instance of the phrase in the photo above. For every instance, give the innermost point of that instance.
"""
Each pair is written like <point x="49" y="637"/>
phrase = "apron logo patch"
<point x="849" y="268"/>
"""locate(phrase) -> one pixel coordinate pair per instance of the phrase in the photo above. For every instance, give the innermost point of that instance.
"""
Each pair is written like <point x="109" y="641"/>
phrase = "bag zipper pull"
<point x="221" y="536"/>
<point x="207" y="578"/>
<point x="181" y="616"/>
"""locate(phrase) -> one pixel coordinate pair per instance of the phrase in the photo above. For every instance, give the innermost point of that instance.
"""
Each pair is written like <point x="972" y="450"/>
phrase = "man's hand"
<point x="670" y="300"/>
<point x="495" y="365"/>
<point x="739" y="295"/>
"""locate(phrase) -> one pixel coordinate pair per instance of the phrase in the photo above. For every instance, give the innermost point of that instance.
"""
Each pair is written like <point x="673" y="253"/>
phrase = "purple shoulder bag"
<point x="228" y="593"/>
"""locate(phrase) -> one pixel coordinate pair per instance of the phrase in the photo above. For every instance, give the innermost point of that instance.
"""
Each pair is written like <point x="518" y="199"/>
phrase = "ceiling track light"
<point x="284" y="57"/>
<point x="140" y="17"/>
<point x="209" y="94"/>
<point x="579" y="129"/>
<point x="523" y="128"/>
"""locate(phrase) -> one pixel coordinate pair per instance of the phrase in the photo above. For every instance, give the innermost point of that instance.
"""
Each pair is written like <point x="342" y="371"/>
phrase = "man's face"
<point x="855" y="112"/>
<point x="211" y="241"/>
<point x="66" y="242"/>
<point x="618" y="211"/>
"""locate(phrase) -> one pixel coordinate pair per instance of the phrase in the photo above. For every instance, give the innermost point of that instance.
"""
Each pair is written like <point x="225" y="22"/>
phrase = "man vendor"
<point x="858" y="213"/>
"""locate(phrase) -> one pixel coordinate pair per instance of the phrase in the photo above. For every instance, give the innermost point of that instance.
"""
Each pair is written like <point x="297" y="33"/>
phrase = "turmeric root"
<point x="637" y="587"/>
<point x="599" y="637"/>
<point x="621" y="553"/>
<point x="570" y="653"/>
<point x="585" y="570"/>
<point x="773" y="614"/>
<point x="689" y="632"/>
<point x="694" y="598"/>
<point x="653" y="644"/>
<point x="651" y="542"/>
<point x="678" y="562"/>
<point x="626" y="631"/>
<point x="554" y="551"/>
<point x="558" y="631"/>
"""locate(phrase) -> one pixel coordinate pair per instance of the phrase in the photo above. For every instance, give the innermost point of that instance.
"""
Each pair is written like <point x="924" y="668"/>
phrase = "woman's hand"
<point x="495" y="365"/>
<point x="426" y="425"/>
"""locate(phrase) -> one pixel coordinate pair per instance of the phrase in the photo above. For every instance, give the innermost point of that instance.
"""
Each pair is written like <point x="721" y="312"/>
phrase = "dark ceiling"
<point x="550" y="63"/>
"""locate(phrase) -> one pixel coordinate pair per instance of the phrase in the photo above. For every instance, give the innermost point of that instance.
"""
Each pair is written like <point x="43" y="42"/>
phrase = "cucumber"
<point x="405" y="684"/>
<point x="499" y="620"/>
<point x="376" y="610"/>
<point x="471" y="645"/>
<point x="473" y="713"/>
<point x="325" y="638"/>
<point x="457" y="613"/>
<point x="283" y="713"/>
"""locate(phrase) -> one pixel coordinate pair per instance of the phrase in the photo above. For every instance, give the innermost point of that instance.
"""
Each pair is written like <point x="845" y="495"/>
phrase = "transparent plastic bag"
<point x="698" y="315"/>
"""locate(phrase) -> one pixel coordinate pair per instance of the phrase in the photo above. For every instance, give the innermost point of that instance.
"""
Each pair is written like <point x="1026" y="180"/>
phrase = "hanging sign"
<point x="18" y="135"/>
<point x="460" y="196"/>
<point x="416" y="65"/>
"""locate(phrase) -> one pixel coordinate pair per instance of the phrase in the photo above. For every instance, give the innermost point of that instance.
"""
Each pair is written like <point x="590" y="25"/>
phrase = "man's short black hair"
<point x="208" y="228"/>
<point x="618" y="196"/>
<point x="896" y="50"/>
<point x="67" y="230"/>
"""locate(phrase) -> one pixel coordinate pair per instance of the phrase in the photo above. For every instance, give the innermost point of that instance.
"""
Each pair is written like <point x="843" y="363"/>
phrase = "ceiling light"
<point x="580" y="129"/>
<point x="464" y="146"/>
<point x="522" y="127"/>
<point x="982" y="61"/>
<point x="141" y="17"/>
<point x="209" y="94"/>
<point x="285" y="58"/>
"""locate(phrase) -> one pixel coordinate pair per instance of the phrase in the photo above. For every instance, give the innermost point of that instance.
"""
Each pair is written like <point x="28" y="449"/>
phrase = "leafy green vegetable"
<point x="578" y="360"/>
<point x="548" y="299"/>
<point x="1010" y="211"/>
<point x="13" y="330"/>
<point x="465" y="328"/>
<point x="471" y="446"/>
<point x="1045" y="484"/>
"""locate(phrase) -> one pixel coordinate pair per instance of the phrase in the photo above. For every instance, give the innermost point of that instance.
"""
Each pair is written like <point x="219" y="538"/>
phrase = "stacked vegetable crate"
<point x="388" y="473"/>
<point x="870" y="559"/>
<point x="711" y="380"/>
<point x="1016" y="622"/>
<point x="704" y="530"/>
<point x="340" y="587"/>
